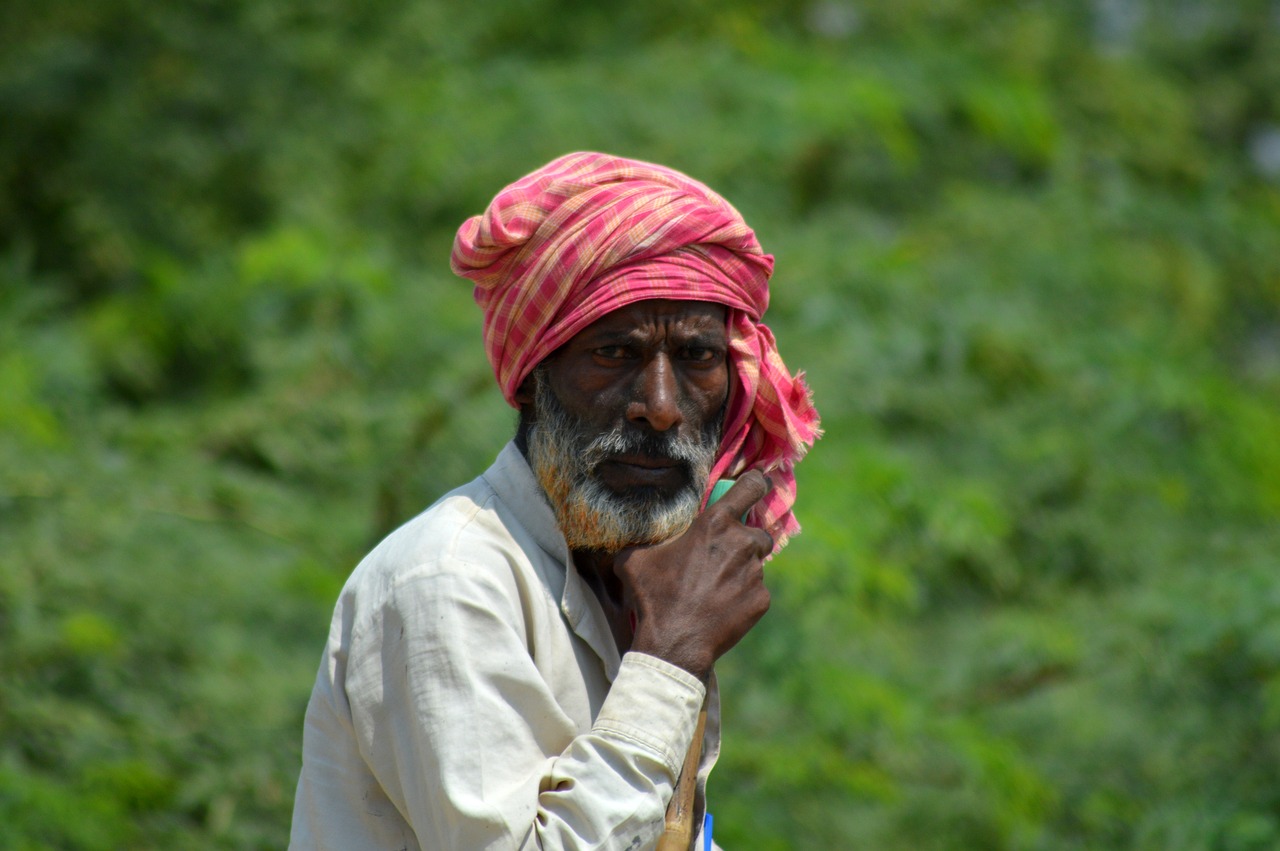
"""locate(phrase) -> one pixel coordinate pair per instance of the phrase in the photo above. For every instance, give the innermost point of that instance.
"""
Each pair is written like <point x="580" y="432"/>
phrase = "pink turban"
<point x="590" y="233"/>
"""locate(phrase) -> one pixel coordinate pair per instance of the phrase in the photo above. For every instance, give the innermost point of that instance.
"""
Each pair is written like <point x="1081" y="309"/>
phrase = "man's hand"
<point x="696" y="596"/>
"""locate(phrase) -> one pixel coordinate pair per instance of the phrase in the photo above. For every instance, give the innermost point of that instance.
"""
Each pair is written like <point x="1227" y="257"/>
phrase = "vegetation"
<point x="1028" y="253"/>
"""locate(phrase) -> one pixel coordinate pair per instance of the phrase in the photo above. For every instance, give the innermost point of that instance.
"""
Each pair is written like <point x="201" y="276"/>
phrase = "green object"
<point x="720" y="489"/>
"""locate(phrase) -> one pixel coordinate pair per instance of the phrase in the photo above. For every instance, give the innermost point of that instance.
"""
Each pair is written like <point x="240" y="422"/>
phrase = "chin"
<point x="594" y="517"/>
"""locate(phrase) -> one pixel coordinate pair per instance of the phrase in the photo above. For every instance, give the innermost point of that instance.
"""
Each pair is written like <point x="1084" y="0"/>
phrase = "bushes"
<point x="1026" y="255"/>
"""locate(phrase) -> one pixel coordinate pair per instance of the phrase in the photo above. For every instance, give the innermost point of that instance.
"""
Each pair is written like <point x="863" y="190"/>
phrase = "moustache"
<point x="621" y="442"/>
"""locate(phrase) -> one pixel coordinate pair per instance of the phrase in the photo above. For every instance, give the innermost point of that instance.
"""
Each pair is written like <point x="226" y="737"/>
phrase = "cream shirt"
<point x="471" y="695"/>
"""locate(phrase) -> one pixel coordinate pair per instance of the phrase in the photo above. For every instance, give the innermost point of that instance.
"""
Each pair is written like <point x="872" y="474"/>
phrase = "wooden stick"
<point x="679" y="833"/>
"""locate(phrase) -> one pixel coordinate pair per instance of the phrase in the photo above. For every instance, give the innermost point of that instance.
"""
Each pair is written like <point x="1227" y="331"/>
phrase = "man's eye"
<point x="698" y="353"/>
<point x="612" y="352"/>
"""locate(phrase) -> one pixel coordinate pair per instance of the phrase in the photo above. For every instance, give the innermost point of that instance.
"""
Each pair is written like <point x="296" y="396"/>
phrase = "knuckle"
<point x="718" y="516"/>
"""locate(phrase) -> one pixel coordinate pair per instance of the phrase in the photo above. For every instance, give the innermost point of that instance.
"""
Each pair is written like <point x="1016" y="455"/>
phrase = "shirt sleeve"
<point x="469" y="743"/>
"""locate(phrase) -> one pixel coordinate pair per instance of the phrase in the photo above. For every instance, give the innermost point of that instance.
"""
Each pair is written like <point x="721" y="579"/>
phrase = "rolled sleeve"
<point x="653" y="704"/>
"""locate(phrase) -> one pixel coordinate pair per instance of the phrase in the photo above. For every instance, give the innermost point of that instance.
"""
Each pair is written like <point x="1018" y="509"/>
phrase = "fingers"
<point x="764" y="542"/>
<point x="746" y="492"/>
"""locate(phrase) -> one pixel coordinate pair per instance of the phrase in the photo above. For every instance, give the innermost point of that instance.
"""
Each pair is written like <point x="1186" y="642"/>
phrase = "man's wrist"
<point x="679" y="654"/>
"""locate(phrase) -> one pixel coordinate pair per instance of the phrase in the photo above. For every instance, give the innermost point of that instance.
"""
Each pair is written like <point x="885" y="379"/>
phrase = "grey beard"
<point x="564" y="453"/>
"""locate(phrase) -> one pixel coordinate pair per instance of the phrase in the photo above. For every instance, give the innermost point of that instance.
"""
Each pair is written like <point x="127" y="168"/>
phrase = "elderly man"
<point x="522" y="665"/>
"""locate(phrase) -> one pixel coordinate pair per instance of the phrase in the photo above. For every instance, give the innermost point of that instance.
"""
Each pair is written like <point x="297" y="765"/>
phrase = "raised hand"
<point x="695" y="596"/>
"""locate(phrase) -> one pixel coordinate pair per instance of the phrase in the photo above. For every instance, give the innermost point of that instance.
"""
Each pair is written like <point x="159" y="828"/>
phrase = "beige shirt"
<point x="471" y="695"/>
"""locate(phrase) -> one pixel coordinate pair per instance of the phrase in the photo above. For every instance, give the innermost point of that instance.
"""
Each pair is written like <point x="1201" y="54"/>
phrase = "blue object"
<point x="706" y="832"/>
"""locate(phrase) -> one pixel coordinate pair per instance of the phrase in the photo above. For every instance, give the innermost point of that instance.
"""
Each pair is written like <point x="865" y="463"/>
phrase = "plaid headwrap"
<point x="590" y="233"/>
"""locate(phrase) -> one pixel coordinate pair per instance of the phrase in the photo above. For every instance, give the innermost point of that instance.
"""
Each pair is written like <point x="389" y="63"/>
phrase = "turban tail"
<point x="588" y="234"/>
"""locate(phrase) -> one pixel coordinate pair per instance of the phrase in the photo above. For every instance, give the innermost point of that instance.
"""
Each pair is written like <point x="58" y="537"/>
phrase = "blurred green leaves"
<point x="1026" y="254"/>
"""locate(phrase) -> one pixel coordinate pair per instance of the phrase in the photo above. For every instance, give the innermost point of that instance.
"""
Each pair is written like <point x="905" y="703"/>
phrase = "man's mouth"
<point x="642" y="470"/>
<point x="649" y="462"/>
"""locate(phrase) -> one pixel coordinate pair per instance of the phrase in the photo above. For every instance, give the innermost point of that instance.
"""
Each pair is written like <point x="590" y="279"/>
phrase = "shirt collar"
<point x="513" y="481"/>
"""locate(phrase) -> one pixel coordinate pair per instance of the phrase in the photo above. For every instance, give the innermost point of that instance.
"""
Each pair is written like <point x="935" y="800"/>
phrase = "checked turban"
<point x="589" y="233"/>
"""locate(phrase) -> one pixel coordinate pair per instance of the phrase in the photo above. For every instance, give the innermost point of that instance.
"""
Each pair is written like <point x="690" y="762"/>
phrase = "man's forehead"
<point x="696" y="317"/>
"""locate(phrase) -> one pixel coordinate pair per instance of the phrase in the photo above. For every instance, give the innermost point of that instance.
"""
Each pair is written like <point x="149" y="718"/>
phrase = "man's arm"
<point x="467" y="738"/>
<point x="468" y="742"/>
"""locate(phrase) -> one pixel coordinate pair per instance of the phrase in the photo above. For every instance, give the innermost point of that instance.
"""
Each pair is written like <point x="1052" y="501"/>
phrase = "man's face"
<point x="628" y="416"/>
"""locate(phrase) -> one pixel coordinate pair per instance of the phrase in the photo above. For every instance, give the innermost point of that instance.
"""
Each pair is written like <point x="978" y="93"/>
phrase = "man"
<point x="523" y="664"/>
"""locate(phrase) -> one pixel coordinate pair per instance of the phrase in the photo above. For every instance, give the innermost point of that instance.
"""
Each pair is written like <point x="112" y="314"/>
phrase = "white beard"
<point x="564" y="455"/>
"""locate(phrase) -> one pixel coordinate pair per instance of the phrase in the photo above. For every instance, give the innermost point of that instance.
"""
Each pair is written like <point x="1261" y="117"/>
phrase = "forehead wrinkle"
<point x="685" y="329"/>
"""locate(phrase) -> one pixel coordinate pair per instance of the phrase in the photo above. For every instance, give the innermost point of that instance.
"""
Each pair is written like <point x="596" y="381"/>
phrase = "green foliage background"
<point x="1028" y="253"/>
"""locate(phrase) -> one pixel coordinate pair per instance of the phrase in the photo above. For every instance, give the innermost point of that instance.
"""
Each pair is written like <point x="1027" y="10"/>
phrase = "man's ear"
<point x="524" y="393"/>
<point x="524" y="398"/>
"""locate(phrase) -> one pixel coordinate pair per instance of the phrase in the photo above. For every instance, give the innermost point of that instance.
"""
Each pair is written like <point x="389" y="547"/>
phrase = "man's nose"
<point x="656" y="398"/>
